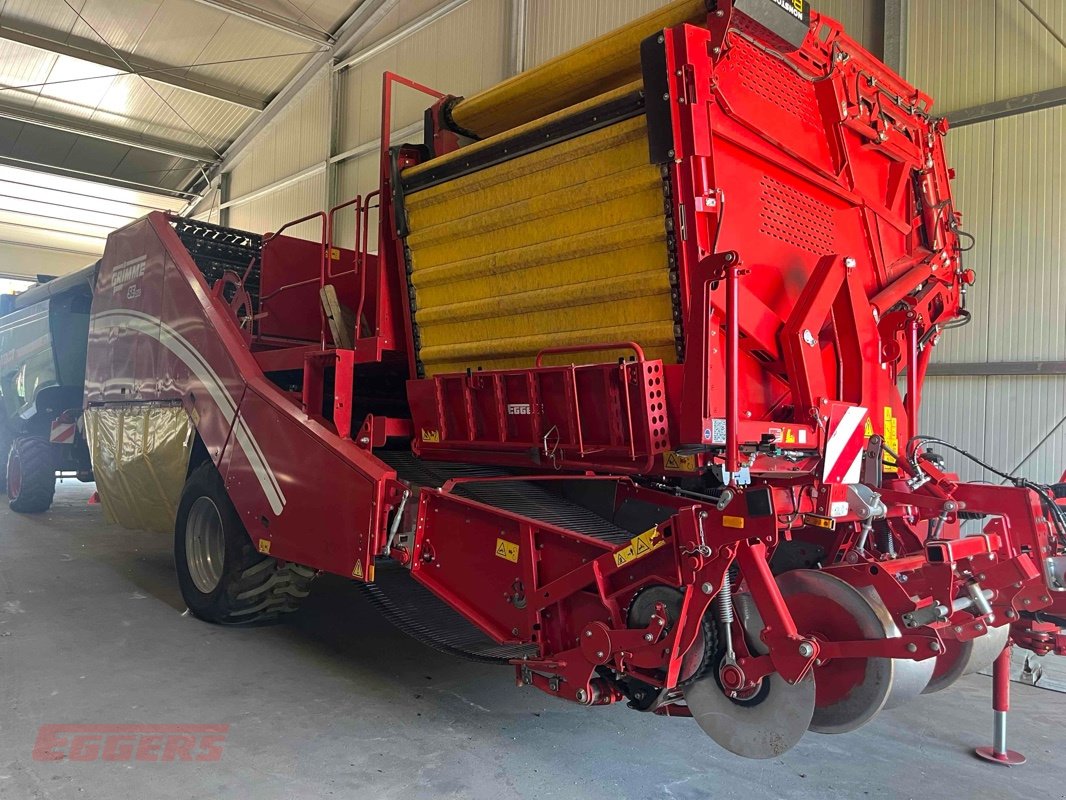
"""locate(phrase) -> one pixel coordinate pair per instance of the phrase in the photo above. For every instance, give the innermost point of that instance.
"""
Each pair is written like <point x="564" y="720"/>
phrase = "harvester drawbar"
<point x="627" y="398"/>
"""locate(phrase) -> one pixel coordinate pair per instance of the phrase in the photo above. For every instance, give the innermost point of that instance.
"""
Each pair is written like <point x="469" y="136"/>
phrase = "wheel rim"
<point x="205" y="544"/>
<point x="14" y="475"/>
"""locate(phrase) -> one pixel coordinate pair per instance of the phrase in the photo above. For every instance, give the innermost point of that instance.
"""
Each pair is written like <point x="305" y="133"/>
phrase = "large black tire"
<point x="31" y="475"/>
<point x="247" y="585"/>
<point x="5" y="451"/>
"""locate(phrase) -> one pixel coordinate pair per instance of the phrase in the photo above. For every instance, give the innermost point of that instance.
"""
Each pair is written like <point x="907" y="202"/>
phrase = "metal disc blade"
<point x="851" y="691"/>
<point x="763" y="729"/>
<point x="966" y="658"/>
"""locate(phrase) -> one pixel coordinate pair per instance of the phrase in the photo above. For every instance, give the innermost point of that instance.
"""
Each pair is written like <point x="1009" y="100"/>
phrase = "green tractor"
<point x="44" y="333"/>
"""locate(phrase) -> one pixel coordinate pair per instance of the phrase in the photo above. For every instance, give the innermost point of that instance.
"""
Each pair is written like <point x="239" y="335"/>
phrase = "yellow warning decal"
<point x="868" y="429"/>
<point x="639" y="546"/>
<point x="334" y="254"/>
<point x="891" y="440"/>
<point x="678" y="463"/>
<point x="433" y="437"/>
<point x="789" y="437"/>
<point x="732" y="522"/>
<point x="358" y="571"/>
<point x="506" y="550"/>
<point x="264" y="546"/>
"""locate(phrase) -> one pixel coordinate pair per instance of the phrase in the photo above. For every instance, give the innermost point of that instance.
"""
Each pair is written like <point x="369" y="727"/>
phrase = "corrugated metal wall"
<point x="1010" y="182"/>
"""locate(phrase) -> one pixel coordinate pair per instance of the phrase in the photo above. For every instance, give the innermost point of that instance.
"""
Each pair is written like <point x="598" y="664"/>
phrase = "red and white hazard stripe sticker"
<point x="62" y="432"/>
<point x="843" y="449"/>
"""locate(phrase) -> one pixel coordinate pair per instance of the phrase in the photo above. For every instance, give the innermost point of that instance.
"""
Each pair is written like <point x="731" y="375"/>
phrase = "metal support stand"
<point x="998" y="752"/>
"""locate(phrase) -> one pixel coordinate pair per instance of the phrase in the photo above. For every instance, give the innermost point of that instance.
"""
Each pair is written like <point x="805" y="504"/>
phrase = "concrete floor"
<point x="336" y="703"/>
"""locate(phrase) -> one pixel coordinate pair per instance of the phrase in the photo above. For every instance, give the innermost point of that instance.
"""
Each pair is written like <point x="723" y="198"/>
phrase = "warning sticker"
<point x="264" y="546"/>
<point x="891" y="439"/>
<point x="506" y="550"/>
<point x="868" y="429"/>
<point x="639" y="546"/>
<point x="433" y="437"/>
<point x="358" y="571"/>
<point x="679" y="463"/>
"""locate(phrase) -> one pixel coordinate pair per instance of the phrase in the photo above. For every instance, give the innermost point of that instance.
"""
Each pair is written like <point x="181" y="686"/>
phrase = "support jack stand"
<point x="998" y="752"/>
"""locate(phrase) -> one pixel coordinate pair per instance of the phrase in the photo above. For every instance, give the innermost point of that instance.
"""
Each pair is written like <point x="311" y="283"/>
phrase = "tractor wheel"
<point x="31" y="475"/>
<point x="223" y="578"/>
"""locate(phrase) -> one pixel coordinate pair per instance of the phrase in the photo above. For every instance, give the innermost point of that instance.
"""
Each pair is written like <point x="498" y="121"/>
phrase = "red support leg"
<point x="998" y="752"/>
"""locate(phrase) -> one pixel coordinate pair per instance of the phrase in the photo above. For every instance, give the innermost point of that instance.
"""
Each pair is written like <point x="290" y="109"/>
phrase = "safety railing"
<point x="362" y="206"/>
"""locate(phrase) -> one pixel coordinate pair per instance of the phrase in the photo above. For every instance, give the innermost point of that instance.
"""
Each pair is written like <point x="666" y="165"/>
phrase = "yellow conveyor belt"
<point x="594" y="68"/>
<point x="563" y="246"/>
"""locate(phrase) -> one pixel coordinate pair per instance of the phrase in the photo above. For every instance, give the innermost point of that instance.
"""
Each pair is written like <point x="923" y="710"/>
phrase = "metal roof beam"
<point x="95" y="177"/>
<point x="1037" y="101"/>
<point x="153" y="71"/>
<point x="398" y="35"/>
<point x="82" y="128"/>
<point x="368" y="14"/>
<point x="252" y="13"/>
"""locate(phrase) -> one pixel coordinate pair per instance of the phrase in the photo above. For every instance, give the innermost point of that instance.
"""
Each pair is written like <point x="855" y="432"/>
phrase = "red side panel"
<point x="158" y="335"/>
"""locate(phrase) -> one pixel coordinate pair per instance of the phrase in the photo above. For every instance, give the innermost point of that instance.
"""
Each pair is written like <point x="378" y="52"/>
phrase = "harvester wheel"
<point x="223" y="578"/>
<point x="31" y="475"/>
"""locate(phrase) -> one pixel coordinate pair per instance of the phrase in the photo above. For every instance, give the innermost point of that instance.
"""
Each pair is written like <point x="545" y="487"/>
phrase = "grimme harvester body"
<point x="617" y="402"/>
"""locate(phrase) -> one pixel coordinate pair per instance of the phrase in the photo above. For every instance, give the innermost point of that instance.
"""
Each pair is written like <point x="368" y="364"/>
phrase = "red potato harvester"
<point x="627" y="398"/>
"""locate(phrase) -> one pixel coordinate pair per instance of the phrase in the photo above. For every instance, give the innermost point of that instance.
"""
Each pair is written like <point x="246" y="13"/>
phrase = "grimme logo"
<point x="192" y="743"/>
<point x="126" y="272"/>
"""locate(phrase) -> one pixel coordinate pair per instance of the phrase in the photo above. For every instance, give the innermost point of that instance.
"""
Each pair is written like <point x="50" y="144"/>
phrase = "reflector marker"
<point x="843" y="450"/>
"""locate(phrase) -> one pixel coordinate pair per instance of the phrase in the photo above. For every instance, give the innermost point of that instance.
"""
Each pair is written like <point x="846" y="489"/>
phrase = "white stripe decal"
<point x="212" y="383"/>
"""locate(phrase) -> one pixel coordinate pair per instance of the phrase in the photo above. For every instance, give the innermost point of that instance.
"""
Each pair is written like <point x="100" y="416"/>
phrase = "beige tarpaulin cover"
<point x="140" y="459"/>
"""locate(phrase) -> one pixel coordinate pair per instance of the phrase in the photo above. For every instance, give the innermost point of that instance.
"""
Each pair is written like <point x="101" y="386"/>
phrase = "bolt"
<point x="912" y="647"/>
<point x="662" y="39"/>
<point x="849" y="263"/>
<point x="648" y="637"/>
<point x="808" y="337"/>
<point x="707" y="588"/>
<point x="958" y="629"/>
<point x="806" y="649"/>
<point x="934" y="646"/>
<point x="588" y="634"/>
<point x="1026" y="601"/>
<point x="978" y="627"/>
<point x="981" y="577"/>
<point x="1044" y="598"/>
<point x="599" y="654"/>
<point x="719" y="13"/>
<point x="716" y="50"/>
<point x="666" y="96"/>
<point x="364" y="440"/>
<point x="582" y="696"/>
<point x="514" y="631"/>
<point x="1011" y="614"/>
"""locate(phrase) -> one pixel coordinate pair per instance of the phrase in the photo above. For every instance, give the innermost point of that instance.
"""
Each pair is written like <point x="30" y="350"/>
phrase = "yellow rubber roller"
<point x="606" y="63"/>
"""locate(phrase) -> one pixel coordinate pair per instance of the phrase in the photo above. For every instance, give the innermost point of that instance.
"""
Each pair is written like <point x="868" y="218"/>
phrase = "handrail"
<point x="323" y="261"/>
<point x="362" y="205"/>
<point x="361" y="257"/>
<point x="591" y="348"/>
<point x="357" y="202"/>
